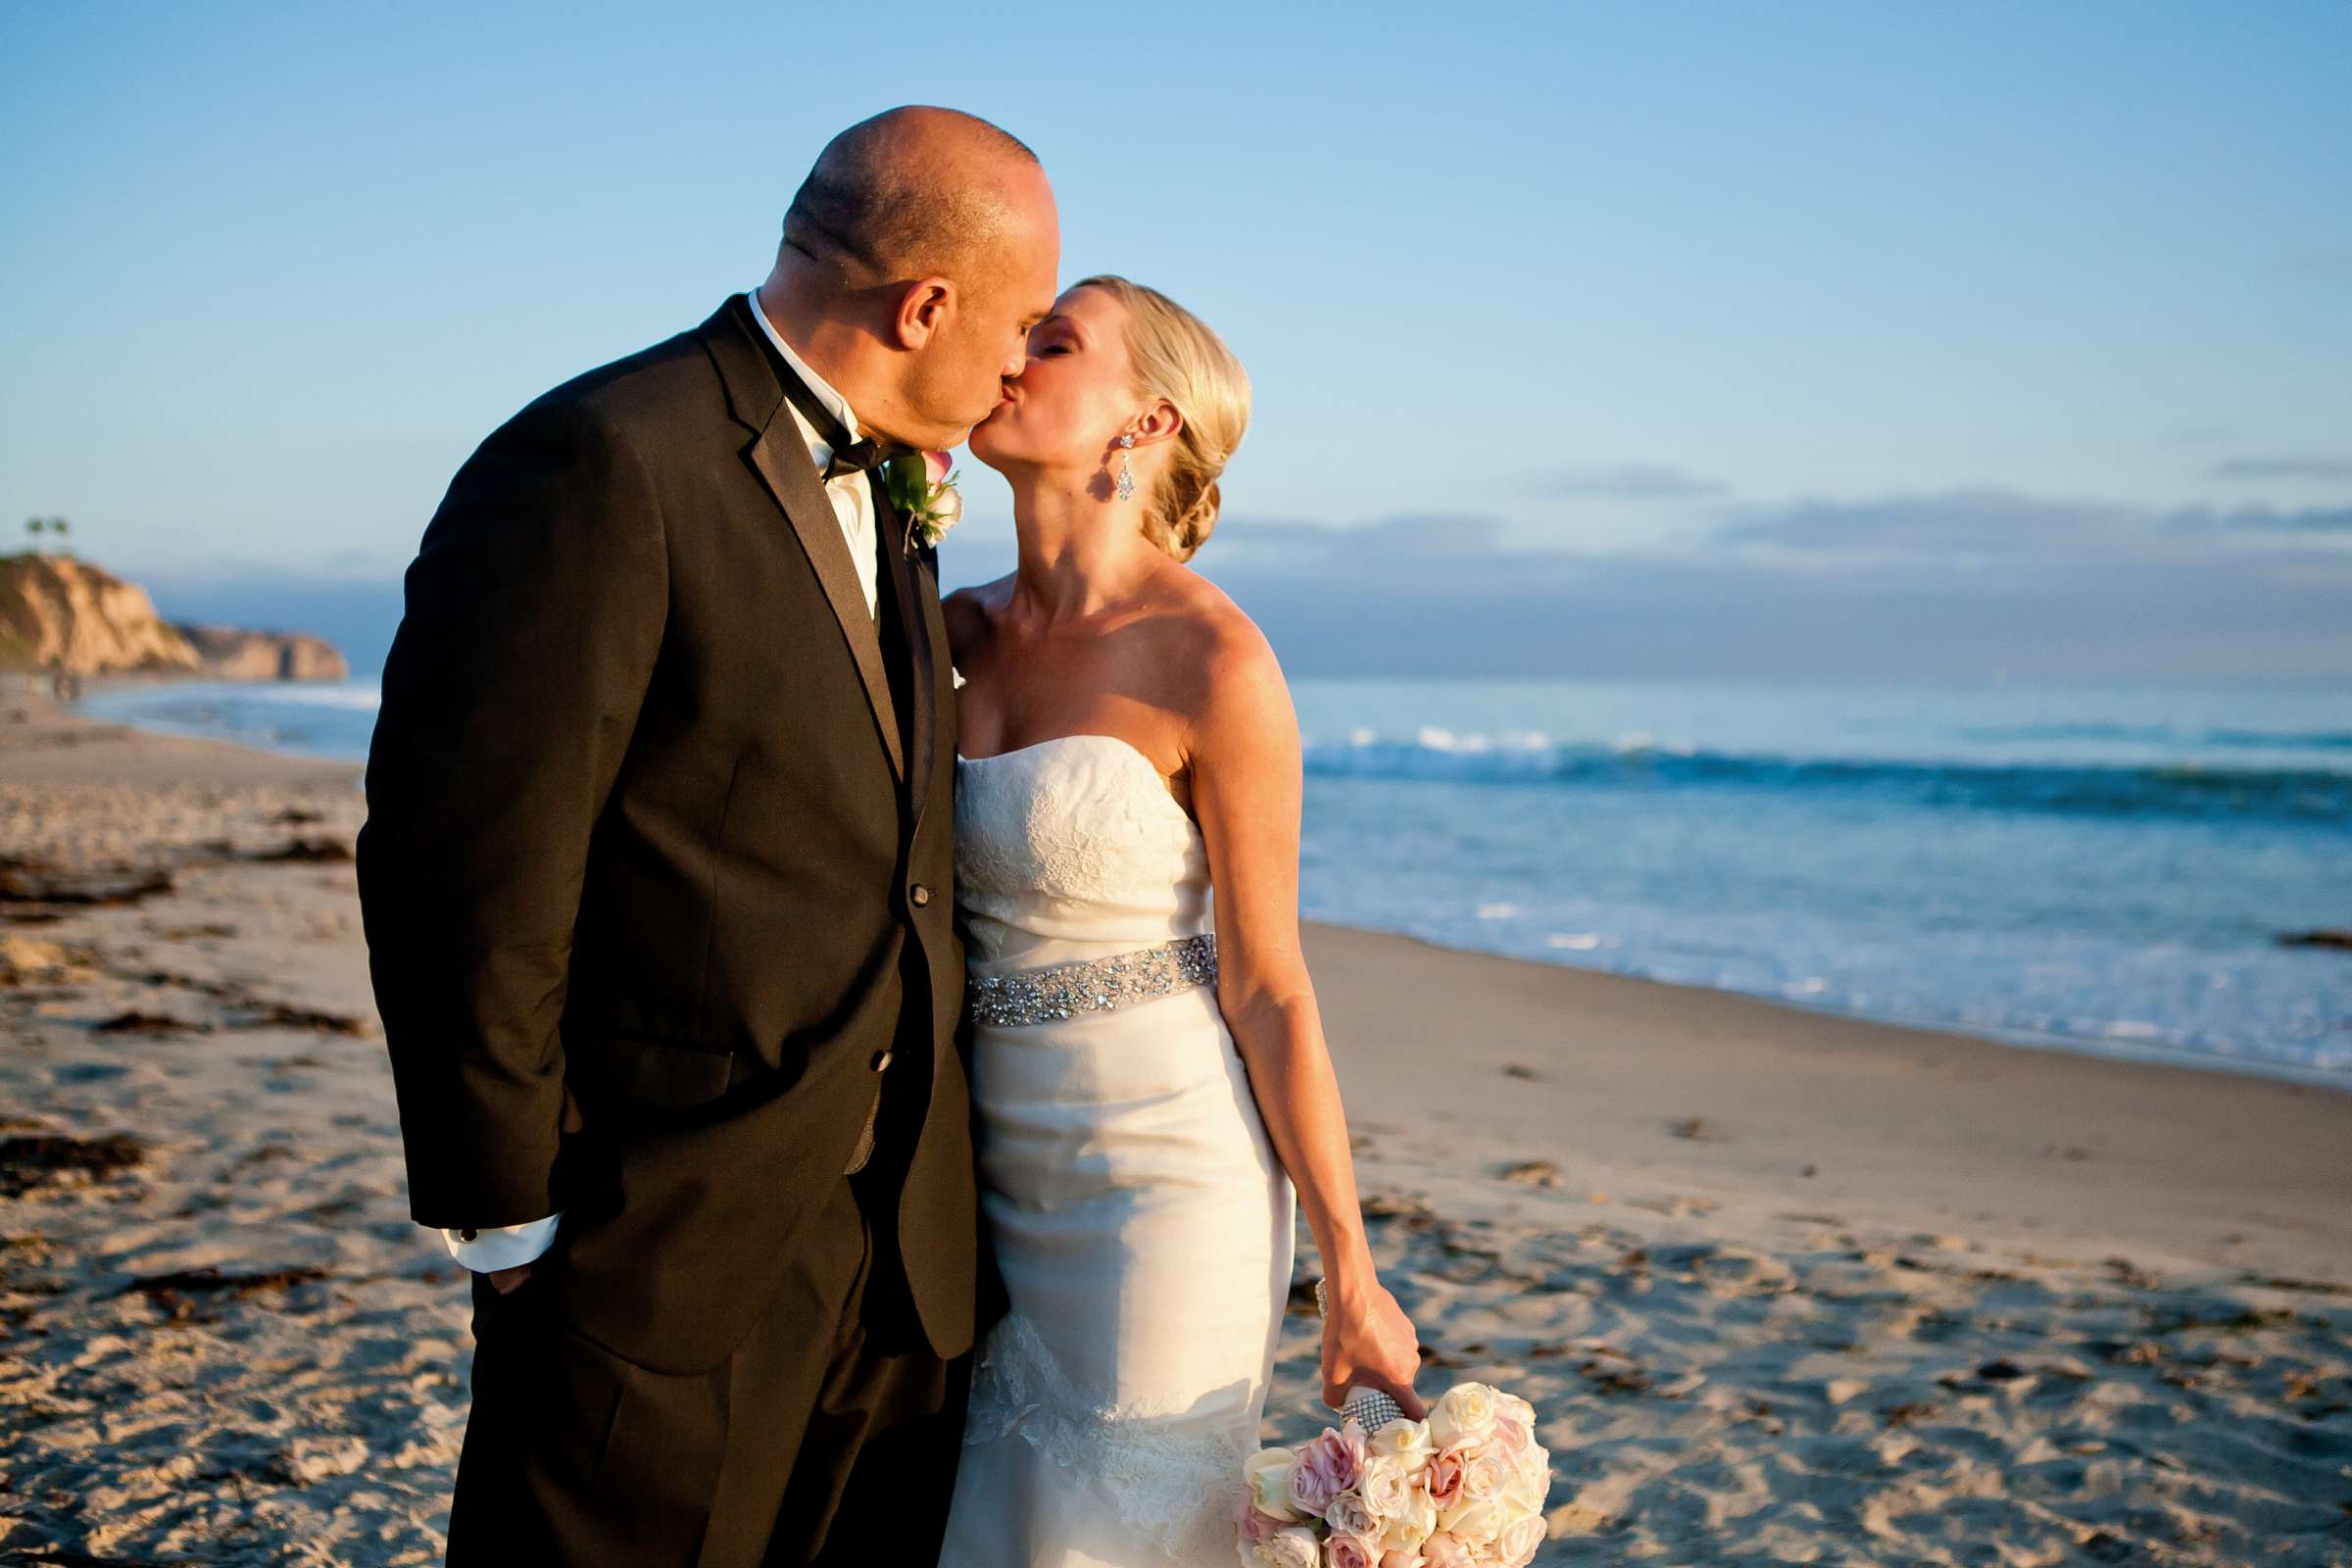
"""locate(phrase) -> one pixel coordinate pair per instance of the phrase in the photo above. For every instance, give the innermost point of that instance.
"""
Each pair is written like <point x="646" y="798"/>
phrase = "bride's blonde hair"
<point x="1178" y="358"/>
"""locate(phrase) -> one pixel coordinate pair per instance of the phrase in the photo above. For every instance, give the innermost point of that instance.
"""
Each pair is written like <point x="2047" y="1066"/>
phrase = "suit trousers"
<point x="829" y="1437"/>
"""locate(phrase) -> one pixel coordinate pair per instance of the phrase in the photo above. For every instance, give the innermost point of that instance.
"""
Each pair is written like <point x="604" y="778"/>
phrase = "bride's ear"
<point x="1160" y="423"/>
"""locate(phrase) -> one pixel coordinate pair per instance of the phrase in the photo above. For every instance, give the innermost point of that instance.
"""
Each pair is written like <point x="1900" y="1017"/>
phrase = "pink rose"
<point x="1257" y="1528"/>
<point x="1441" y="1551"/>
<point x="1443" y="1479"/>
<point x="1464" y="1471"/>
<point x="1512" y="1434"/>
<point x="1350" y="1513"/>
<point x="1482" y="1475"/>
<point x="936" y="465"/>
<point x="1326" y="1468"/>
<point x="1344" y="1550"/>
<point x="1516" y="1547"/>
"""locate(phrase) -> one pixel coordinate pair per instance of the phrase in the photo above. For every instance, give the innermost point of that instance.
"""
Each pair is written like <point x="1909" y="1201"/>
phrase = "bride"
<point x="1149" y="1079"/>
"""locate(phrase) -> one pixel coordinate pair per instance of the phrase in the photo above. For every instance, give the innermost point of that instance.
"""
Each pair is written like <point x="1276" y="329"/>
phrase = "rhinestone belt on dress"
<point x="1093" y="985"/>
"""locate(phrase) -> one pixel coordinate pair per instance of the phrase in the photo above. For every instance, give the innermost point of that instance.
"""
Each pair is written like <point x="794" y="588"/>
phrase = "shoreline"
<point x="2097" y="1048"/>
<point x="1768" y="1104"/>
<point x="1752" y="1053"/>
<point x="1781" y="1285"/>
<point x="2124" y="1052"/>
<point x="49" y="744"/>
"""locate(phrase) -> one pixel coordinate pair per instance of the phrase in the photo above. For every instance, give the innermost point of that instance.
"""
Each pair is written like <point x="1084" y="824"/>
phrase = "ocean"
<point x="2099" y="868"/>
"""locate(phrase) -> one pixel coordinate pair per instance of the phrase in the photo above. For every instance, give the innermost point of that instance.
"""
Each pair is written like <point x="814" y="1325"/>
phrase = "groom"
<point x="656" y="883"/>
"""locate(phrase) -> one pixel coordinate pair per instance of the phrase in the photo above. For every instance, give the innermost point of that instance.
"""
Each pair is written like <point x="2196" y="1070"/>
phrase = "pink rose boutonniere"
<point x="922" y="487"/>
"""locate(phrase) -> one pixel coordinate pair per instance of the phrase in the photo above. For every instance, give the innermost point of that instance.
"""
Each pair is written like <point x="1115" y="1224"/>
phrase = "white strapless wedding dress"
<point x="1140" y="1218"/>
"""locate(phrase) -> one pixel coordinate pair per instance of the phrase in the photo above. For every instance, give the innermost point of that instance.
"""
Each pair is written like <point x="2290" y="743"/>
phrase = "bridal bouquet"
<point x="1463" y="1489"/>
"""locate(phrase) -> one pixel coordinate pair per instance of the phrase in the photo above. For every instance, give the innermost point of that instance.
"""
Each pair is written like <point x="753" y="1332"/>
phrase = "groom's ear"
<point x="924" y="309"/>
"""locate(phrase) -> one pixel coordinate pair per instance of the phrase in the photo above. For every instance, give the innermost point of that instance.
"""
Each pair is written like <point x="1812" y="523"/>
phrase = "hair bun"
<point x="1190" y="530"/>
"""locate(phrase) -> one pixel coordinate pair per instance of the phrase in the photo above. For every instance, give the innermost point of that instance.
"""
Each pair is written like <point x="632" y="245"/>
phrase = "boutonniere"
<point x="923" y="490"/>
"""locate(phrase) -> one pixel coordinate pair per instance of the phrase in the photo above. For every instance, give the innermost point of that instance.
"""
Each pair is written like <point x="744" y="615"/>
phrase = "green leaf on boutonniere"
<point x="908" y="480"/>
<point x="929" y="506"/>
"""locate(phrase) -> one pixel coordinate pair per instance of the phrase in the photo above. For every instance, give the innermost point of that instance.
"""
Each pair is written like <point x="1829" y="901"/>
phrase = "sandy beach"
<point x="1783" y="1286"/>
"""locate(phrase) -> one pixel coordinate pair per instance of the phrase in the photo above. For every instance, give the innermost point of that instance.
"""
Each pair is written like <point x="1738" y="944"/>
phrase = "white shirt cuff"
<point x="505" y="1247"/>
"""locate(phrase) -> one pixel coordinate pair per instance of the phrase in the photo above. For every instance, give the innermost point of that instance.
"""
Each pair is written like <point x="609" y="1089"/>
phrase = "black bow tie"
<point x="849" y="455"/>
<point x="855" y="457"/>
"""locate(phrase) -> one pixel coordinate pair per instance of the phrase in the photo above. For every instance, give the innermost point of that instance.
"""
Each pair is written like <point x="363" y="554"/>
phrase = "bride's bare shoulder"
<point x="1225" y="654"/>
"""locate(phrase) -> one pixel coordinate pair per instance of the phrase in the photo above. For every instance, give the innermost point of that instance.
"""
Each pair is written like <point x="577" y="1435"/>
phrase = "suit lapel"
<point x="939" y="675"/>
<point x="780" y="457"/>
<point x="903" y="574"/>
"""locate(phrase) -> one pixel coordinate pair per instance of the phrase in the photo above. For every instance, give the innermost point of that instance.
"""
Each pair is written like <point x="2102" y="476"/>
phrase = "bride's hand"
<point x="1369" y="1343"/>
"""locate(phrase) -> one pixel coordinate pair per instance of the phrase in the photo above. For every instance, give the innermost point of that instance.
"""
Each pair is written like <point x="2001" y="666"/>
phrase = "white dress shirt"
<point x="853" y="497"/>
<point x="851" y="493"/>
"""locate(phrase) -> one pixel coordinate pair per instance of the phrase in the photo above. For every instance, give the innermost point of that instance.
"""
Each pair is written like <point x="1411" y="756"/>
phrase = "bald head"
<point x="916" y="257"/>
<point x="918" y="192"/>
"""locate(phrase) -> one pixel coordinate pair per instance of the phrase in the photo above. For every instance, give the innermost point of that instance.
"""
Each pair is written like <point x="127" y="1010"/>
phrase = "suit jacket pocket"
<point x="627" y="1072"/>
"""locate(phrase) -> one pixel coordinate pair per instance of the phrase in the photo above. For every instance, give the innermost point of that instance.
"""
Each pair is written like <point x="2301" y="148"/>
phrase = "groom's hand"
<point x="504" y="1280"/>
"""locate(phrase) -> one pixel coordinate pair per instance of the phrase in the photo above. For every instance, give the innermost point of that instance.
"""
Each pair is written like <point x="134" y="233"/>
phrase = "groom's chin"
<point x="982" y="432"/>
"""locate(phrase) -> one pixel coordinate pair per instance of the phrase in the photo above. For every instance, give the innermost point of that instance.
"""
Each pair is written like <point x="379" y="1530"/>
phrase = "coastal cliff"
<point x="232" y="654"/>
<point x="58" y="612"/>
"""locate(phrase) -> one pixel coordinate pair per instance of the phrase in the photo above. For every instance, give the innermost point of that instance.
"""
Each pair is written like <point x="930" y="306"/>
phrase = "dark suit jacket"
<point x="653" y="873"/>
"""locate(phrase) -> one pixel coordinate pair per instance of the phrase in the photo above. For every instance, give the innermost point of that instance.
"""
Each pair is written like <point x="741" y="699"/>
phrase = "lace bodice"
<point x="1071" y="849"/>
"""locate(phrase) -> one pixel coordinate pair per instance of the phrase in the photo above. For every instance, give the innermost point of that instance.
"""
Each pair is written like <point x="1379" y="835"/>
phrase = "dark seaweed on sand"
<point x="42" y="1158"/>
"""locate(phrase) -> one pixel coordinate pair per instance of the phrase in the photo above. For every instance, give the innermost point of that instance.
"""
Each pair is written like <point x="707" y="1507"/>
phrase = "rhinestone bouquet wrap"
<point x="1370" y="1409"/>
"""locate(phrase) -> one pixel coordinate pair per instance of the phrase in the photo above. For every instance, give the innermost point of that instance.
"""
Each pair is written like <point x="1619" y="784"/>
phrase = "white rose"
<point x="1409" y="1529"/>
<point x="946" y="509"/>
<point x="1516" y="1547"/>
<point x="1294" y="1547"/>
<point x="1384" y="1486"/>
<point x="1267" y="1475"/>
<point x="1519" y="1409"/>
<point x="1531" y="1475"/>
<point x="1526" y="1491"/>
<point x="1475" y="1523"/>
<point x="1465" y="1410"/>
<point x="1407" y="1442"/>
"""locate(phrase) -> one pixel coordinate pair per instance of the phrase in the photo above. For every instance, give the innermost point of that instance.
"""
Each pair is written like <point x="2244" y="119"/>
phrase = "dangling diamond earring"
<point x="1126" y="473"/>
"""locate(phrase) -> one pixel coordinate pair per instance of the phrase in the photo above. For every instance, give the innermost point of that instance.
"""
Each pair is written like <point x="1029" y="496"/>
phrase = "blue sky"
<point x="1941" y="341"/>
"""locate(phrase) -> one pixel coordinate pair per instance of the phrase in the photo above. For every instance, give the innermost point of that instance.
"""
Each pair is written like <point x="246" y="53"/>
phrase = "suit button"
<point x="918" y="895"/>
<point x="468" y="1234"/>
<point x="881" y="1060"/>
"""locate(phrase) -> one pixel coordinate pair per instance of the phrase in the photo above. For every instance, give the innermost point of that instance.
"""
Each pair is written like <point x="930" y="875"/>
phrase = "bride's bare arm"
<point x="1244" y="769"/>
